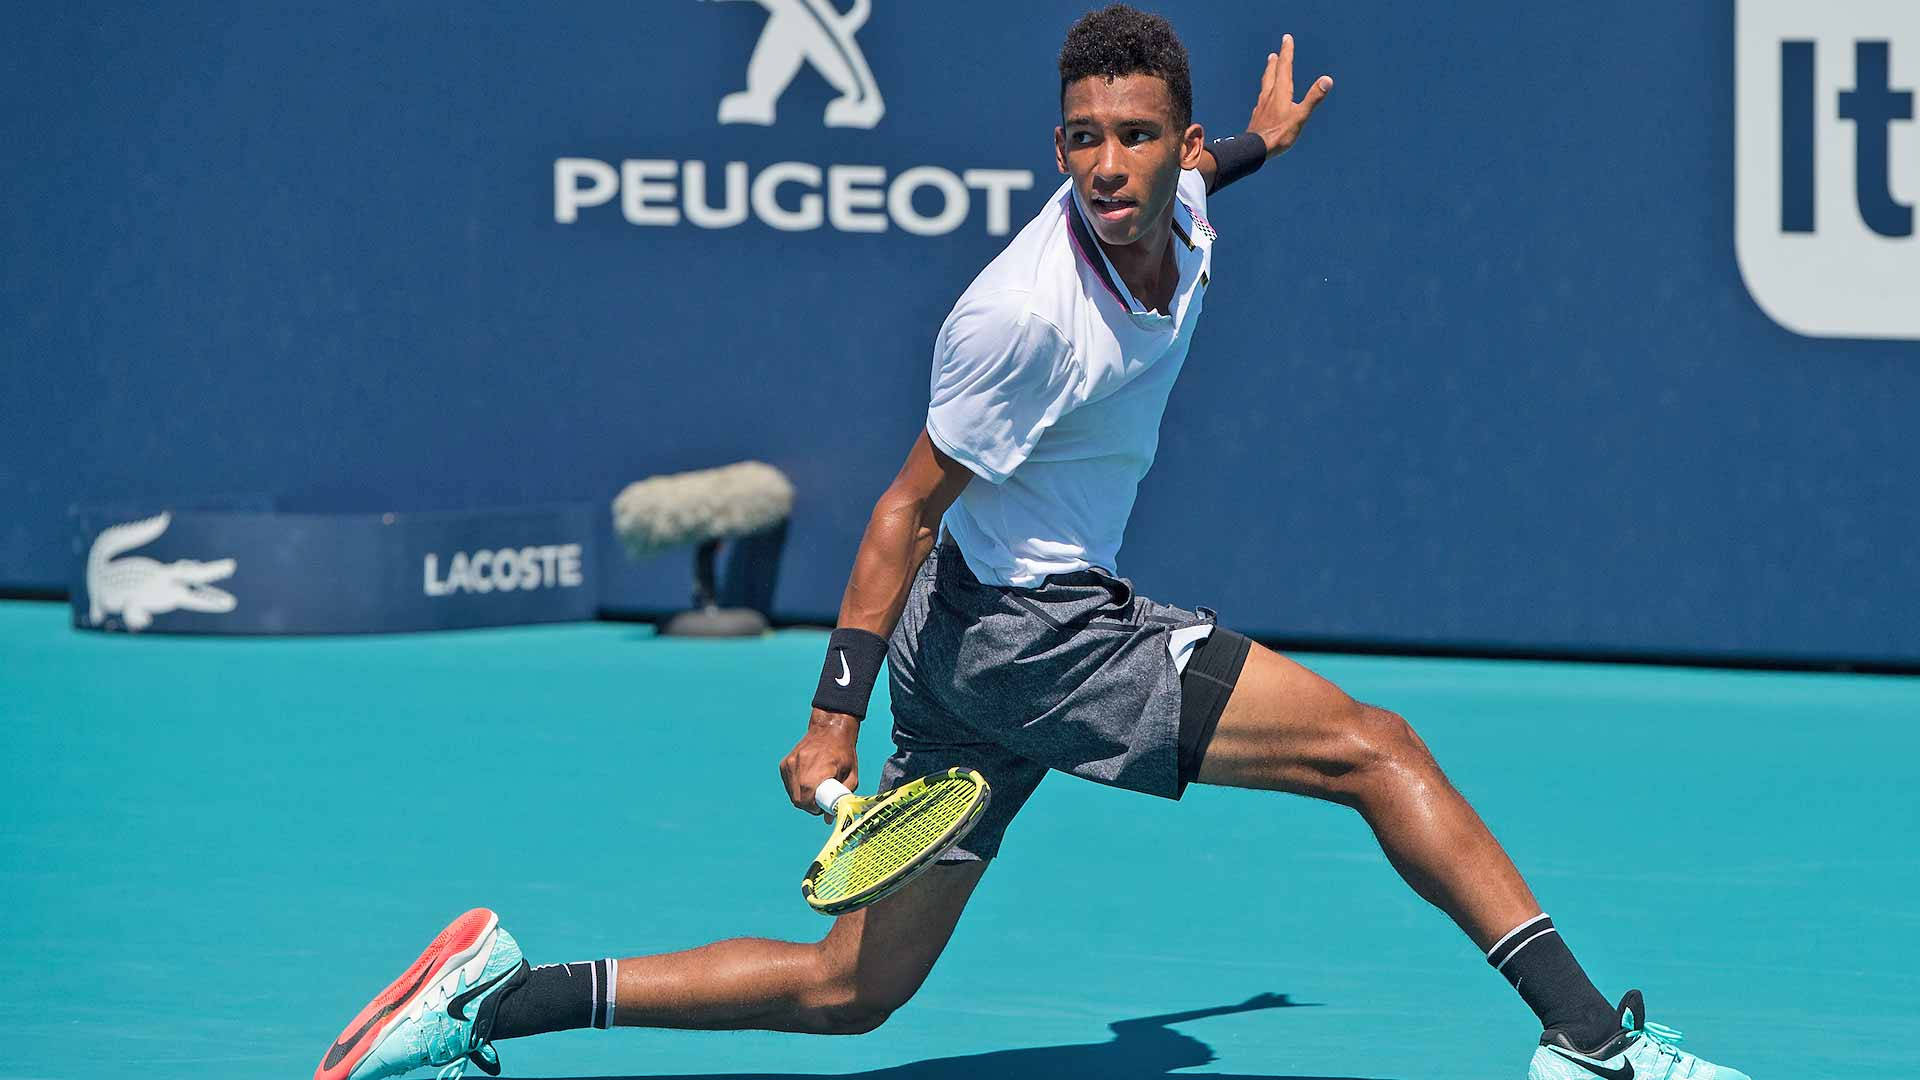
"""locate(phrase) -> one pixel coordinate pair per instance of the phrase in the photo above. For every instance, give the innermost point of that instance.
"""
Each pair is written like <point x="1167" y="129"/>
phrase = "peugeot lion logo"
<point x="813" y="31"/>
<point x="137" y="589"/>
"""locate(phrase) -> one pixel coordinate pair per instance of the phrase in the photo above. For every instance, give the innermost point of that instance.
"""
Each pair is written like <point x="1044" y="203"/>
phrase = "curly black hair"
<point x="1120" y="40"/>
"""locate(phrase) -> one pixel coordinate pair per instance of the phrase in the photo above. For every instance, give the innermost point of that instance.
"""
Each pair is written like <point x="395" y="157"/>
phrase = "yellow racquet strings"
<point x="893" y="838"/>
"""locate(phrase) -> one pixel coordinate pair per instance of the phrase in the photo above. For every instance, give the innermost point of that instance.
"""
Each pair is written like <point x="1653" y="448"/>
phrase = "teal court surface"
<point x="213" y="851"/>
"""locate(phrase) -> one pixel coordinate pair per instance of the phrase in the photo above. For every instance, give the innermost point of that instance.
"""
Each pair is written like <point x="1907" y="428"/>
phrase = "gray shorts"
<point x="1074" y="675"/>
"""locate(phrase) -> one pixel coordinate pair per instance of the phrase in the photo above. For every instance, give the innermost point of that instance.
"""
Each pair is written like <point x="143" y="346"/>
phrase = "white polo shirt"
<point x="1049" y="380"/>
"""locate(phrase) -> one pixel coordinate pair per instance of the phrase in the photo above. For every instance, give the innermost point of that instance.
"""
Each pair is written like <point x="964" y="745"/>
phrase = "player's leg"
<point x="471" y="987"/>
<point x="1283" y="728"/>
<point x="869" y="964"/>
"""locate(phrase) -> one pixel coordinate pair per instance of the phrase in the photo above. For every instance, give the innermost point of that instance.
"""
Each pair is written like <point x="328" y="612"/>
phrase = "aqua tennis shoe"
<point x="438" y="1012"/>
<point x="1641" y="1051"/>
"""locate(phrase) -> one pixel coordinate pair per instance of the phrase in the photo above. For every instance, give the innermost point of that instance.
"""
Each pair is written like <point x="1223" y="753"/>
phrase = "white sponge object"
<point x="664" y="512"/>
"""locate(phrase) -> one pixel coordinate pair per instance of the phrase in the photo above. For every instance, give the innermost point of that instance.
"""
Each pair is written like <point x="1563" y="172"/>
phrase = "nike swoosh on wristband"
<point x="1624" y="1072"/>
<point x="846" y="676"/>
<point x="457" y="1008"/>
<point x="341" y="1049"/>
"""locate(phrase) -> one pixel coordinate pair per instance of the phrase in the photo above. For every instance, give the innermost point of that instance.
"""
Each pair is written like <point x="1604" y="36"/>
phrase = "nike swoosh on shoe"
<point x="1624" y="1072"/>
<point x="457" y="1008"/>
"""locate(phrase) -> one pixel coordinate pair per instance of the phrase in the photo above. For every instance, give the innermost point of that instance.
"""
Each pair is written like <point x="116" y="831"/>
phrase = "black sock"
<point x="1538" y="963"/>
<point x="558" y="997"/>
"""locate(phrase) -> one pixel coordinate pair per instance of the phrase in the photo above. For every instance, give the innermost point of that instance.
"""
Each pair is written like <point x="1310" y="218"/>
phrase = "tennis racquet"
<point x="883" y="841"/>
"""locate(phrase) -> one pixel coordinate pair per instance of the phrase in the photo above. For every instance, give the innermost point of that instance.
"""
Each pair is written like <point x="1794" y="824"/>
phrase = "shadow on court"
<point x="1140" y="1049"/>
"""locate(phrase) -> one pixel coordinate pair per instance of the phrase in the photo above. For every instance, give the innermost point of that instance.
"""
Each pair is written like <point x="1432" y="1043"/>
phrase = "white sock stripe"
<point x="1501" y="966"/>
<point x="593" y="972"/>
<point x="613" y="985"/>
<point x="1509" y="936"/>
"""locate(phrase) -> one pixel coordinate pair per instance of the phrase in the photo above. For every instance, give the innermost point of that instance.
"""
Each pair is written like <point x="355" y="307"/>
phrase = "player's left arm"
<point x="1275" y="126"/>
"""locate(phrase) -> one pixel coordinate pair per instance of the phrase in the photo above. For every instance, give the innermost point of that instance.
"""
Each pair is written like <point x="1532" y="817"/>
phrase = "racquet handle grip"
<point x="828" y="793"/>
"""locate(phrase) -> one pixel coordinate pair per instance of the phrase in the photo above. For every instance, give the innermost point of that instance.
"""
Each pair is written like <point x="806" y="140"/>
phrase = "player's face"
<point x="1119" y="142"/>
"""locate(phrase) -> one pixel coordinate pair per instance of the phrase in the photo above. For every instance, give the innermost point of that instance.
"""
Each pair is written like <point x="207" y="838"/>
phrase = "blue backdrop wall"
<point x="1480" y="367"/>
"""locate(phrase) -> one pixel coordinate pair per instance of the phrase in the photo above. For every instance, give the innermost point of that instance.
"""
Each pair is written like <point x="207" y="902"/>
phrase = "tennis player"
<point x="987" y="582"/>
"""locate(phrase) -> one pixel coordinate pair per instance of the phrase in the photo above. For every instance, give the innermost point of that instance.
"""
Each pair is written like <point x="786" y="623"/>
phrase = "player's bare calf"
<point x="869" y="964"/>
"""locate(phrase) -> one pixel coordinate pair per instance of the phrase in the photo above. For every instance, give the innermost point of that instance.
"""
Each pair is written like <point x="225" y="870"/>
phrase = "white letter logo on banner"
<point x="810" y="31"/>
<point x="794" y="196"/>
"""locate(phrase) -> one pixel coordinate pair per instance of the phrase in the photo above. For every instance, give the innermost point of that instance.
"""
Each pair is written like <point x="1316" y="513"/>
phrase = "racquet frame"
<point x="850" y="811"/>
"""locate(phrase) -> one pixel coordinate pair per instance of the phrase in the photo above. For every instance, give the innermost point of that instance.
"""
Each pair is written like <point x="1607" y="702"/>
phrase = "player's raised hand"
<point x="1277" y="118"/>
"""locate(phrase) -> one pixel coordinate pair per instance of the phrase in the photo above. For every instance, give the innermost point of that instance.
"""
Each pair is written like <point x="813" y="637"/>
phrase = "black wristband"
<point x="1236" y="156"/>
<point x="853" y="663"/>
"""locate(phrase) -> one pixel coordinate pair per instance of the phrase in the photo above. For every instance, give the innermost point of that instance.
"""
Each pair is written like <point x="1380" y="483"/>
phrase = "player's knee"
<point x="1389" y="732"/>
<point x="856" y="1016"/>
<point x="854" y="1009"/>
<point x="848" y="1002"/>
<point x="1384" y="745"/>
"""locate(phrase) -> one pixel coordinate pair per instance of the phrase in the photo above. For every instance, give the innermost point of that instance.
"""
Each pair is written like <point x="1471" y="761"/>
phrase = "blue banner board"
<point x="1565" y="329"/>
<point x="259" y="572"/>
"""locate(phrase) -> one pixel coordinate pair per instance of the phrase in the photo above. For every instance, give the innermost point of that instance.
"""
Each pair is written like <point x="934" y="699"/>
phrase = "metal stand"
<point x="708" y="619"/>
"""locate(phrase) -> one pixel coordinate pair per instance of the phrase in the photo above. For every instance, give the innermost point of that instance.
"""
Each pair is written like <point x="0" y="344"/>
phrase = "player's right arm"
<point x="901" y="532"/>
<point x="1002" y="377"/>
